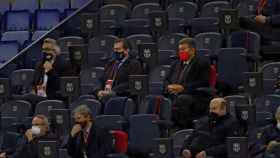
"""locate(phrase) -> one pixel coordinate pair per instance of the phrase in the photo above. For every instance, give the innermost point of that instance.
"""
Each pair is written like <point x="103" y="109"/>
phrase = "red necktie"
<point x="261" y="5"/>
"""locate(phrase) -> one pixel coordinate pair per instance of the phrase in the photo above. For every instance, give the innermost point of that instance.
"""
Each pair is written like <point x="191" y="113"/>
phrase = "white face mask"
<point x="278" y="125"/>
<point x="35" y="130"/>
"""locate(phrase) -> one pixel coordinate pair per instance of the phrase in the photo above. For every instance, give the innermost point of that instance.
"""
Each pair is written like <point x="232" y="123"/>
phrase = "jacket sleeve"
<point x="105" y="142"/>
<point x="24" y="149"/>
<point x="73" y="146"/>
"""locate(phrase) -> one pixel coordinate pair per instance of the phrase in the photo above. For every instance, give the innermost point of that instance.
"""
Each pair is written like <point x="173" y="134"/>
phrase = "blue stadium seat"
<point x="78" y="3"/>
<point x="63" y="153"/>
<point x="247" y="8"/>
<point x="102" y="43"/>
<point x="8" y="49"/>
<point x="176" y="25"/>
<point x="159" y="73"/>
<point x="90" y="79"/>
<point x="137" y="39"/>
<point x="110" y="122"/>
<point x="205" y="54"/>
<point x="231" y="71"/>
<point x="135" y="26"/>
<point x="22" y="80"/>
<point x="55" y="4"/>
<point x="30" y="5"/>
<point x="17" y="108"/>
<point x="109" y="27"/>
<point x="263" y="118"/>
<point x="4" y="6"/>
<point x="86" y="96"/>
<point x="271" y="70"/>
<point x="212" y="9"/>
<point x="178" y="140"/>
<point x="22" y="37"/>
<point x="46" y="19"/>
<point x="142" y="10"/>
<point x="120" y="106"/>
<point x="65" y="42"/>
<point x="233" y="101"/>
<point x="209" y="40"/>
<point x="203" y="24"/>
<point x="165" y="57"/>
<point x="37" y="34"/>
<point x="155" y="88"/>
<point x="45" y="106"/>
<point x="7" y="123"/>
<point x="268" y="103"/>
<point x="135" y="2"/>
<point x="115" y="12"/>
<point x="142" y="132"/>
<point x="170" y="41"/>
<point x="183" y="10"/>
<point x="18" y="20"/>
<point x="93" y="104"/>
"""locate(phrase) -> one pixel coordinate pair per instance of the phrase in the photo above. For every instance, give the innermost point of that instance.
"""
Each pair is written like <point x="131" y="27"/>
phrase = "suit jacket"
<point x="215" y="134"/>
<point x="27" y="149"/>
<point x="130" y="66"/>
<point x="99" y="144"/>
<point x="272" y="11"/>
<point x="196" y="75"/>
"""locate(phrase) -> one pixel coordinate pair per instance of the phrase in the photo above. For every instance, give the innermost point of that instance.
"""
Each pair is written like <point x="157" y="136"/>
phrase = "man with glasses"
<point x="28" y="146"/>
<point x="188" y="73"/>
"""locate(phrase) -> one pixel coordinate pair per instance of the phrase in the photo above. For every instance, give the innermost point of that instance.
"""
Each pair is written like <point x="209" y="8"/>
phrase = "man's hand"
<point x="186" y="153"/>
<point x="271" y="145"/>
<point x="260" y="19"/>
<point x="3" y="155"/>
<point x="29" y="135"/>
<point x="175" y="88"/>
<point x="76" y="129"/>
<point x="102" y="93"/>
<point x="47" y="66"/>
<point x="201" y="154"/>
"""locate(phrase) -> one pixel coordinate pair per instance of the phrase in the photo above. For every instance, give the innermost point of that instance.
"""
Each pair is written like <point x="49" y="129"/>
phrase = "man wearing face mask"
<point x="28" y="146"/>
<point x="188" y="73"/>
<point x="46" y="79"/>
<point x="209" y="137"/>
<point x="117" y="71"/>
<point x="87" y="140"/>
<point x="269" y="144"/>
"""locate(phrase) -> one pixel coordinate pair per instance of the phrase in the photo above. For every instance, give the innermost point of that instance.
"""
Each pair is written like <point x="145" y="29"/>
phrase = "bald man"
<point x="209" y="138"/>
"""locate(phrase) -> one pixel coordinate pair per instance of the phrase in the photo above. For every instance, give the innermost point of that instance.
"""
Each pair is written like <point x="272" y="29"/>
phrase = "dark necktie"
<point x="114" y="70"/>
<point x="261" y="5"/>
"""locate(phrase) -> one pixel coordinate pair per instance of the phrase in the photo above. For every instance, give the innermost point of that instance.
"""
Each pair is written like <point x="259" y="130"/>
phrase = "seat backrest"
<point x="204" y="24"/>
<point x="109" y="122"/>
<point x="8" y="49"/>
<point x="103" y="43"/>
<point x="247" y="8"/>
<point x="119" y="106"/>
<point x="65" y="42"/>
<point x="116" y="12"/>
<point x="209" y="40"/>
<point x="137" y="39"/>
<point x="135" y="2"/>
<point x="4" y="6"/>
<point x="30" y="5"/>
<point x="92" y="76"/>
<point x="271" y="70"/>
<point x="178" y="140"/>
<point x="7" y="122"/>
<point x="267" y="103"/>
<point x="22" y="37"/>
<point x="61" y="5"/>
<point x="78" y="3"/>
<point x="142" y="10"/>
<point x="158" y="74"/>
<point x="212" y="9"/>
<point x="22" y="77"/>
<point x="46" y="19"/>
<point x="233" y="101"/>
<point x="170" y="41"/>
<point x="165" y="56"/>
<point x="37" y="34"/>
<point x="184" y="10"/>
<point x="18" y="20"/>
<point x="45" y="106"/>
<point x="18" y="108"/>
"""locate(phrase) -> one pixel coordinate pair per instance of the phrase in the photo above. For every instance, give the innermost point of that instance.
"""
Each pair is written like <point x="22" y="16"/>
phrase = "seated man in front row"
<point x="209" y="138"/>
<point x="28" y="146"/>
<point x="117" y="71"/>
<point x="187" y="73"/>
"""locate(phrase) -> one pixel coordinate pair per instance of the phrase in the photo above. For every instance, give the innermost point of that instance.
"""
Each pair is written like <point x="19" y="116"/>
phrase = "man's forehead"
<point x="184" y="45"/>
<point x="37" y="120"/>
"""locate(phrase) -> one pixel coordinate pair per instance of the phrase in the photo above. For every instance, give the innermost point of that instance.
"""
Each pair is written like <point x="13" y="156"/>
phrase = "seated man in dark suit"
<point x="269" y="143"/>
<point x="267" y="17"/>
<point x="188" y="73"/>
<point x="28" y="146"/>
<point x="209" y="137"/>
<point x="87" y="140"/>
<point x="117" y="71"/>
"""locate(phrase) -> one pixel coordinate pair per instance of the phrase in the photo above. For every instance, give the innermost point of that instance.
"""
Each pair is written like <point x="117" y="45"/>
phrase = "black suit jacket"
<point x="98" y="146"/>
<point x="196" y="75"/>
<point x="130" y="66"/>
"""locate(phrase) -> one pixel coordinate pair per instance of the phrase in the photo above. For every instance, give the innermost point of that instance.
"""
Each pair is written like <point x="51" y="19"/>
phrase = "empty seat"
<point x="8" y="49"/>
<point x="18" y="20"/>
<point x="65" y="42"/>
<point x="4" y="6"/>
<point x="158" y="74"/>
<point x="170" y="41"/>
<point x="166" y="57"/>
<point x="247" y="8"/>
<point x="212" y="9"/>
<point x="78" y="3"/>
<point x="178" y="140"/>
<point x="233" y="101"/>
<point x="44" y="107"/>
<point x="22" y="80"/>
<point x="155" y="88"/>
<point x="176" y="25"/>
<point x="232" y="71"/>
<point x="137" y="39"/>
<point x="268" y="103"/>
<point x="30" y="5"/>
<point x="102" y="43"/>
<point x="46" y="19"/>
<point x="7" y="123"/>
<point x="204" y="24"/>
<point x="209" y="40"/>
<point x="116" y="12"/>
<point x="61" y="5"/>
<point x="18" y="108"/>
<point x="183" y="10"/>
<point x="142" y="10"/>
<point x="37" y="34"/>
<point x="91" y="79"/>
<point x="135" y="26"/>
<point x="271" y="70"/>
<point x="22" y="37"/>
<point x="135" y="2"/>
<point x="120" y="106"/>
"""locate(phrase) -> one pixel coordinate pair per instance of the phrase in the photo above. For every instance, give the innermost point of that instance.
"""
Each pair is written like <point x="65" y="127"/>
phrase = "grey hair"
<point x="277" y="114"/>
<point x="83" y="110"/>
<point x="45" y="120"/>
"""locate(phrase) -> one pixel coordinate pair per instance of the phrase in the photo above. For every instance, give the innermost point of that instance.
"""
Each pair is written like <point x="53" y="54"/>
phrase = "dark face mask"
<point x="119" y="56"/>
<point x="83" y="124"/>
<point x="213" y="116"/>
<point x="48" y="56"/>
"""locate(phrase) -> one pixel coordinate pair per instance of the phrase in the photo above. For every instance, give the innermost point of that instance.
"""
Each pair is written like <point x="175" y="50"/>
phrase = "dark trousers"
<point x="188" y="108"/>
